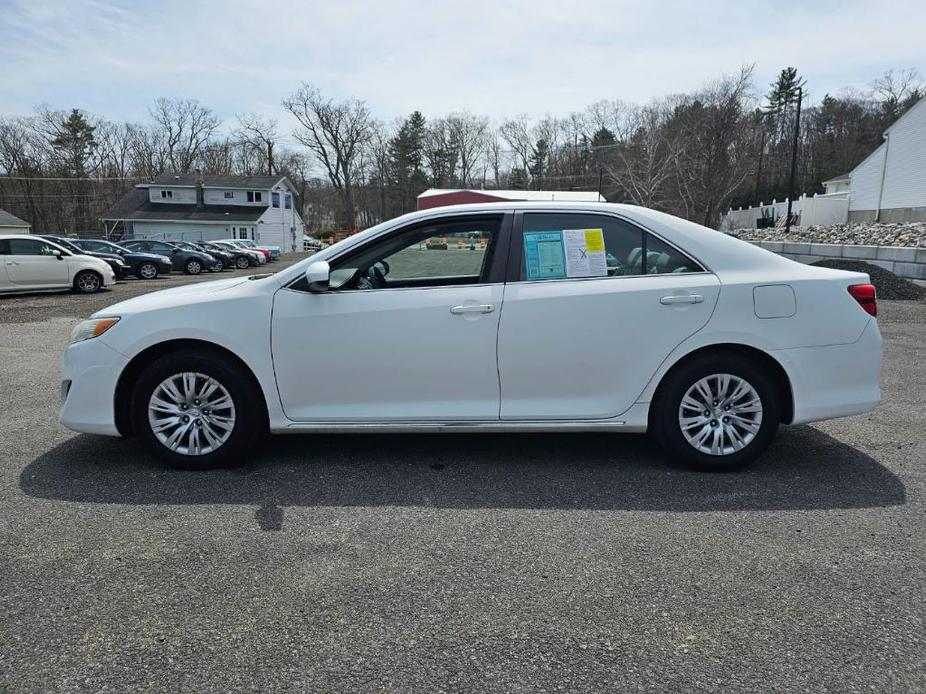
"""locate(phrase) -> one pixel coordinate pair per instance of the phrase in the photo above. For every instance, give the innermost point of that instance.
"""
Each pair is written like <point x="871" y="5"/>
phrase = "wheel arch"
<point x="137" y="364"/>
<point x="771" y="365"/>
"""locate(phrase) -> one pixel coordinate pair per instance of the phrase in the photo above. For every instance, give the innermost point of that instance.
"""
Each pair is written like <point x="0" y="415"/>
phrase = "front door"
<point x="595" y="307"/>
<point x="407" y="331"/>
<point x="32" y="263"/>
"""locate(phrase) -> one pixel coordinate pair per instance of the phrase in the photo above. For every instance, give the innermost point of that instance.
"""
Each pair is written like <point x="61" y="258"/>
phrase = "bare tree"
<point x="643" y="164"/>
<point x="335" y="132"/>
<point x="260" y="134"/>
<point x="467" y="135"/>
<point x="187" y="126"/>
<point x="516" y="132"/>
<point x="897" y="91"/>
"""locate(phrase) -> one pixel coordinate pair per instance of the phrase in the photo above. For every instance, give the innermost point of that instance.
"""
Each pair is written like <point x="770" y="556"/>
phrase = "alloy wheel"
<point x="148" y="271"/>
<point x="191" y="413"/>
<point x="720" y="414"/>
<point x="88" y="282"/>
<point x="193" y="267"/>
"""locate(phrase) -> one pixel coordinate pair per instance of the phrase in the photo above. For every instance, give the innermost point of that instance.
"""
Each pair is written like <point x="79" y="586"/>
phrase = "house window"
<point x="288" y="202"/>
<point x="229" y="194"/>
<point x="167" y="194"/>
<point x="275" y="199"/>
<point x="255" y="196"/>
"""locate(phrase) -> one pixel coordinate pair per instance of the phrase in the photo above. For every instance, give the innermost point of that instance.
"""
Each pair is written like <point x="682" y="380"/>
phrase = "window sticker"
<point x="585" y="254"/>
<point x="544" y="255"/>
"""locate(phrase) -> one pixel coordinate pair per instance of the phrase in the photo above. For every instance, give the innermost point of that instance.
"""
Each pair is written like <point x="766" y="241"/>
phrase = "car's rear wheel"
<point x="197" y="411"/>
<point x="193" y="267"/>
<point x="216" y="266"/>
<point x="148" y="271"/>
<point x="242" y="262"/>
<point x="88" y="282"/>
<point x="717" y="412"/>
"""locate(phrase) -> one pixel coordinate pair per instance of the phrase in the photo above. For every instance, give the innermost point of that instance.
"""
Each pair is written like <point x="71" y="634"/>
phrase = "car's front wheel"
<point x="241" y="262"/>
<point x="88" y="282"/>
<point x="197" y="411"/>
<point x="716" y="413"/>
<point x="148" y="271"/>
<point x="193" y="267"/>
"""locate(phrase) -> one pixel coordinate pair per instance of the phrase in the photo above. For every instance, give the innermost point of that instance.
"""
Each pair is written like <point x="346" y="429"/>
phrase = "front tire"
<point x="148" y="271"/>
<point x="193" y="267"/>
<point x="242" y="263"/>
<point x="717" y="413"/>
<point x="197" y="411"/>
<point x="88" y="282"/>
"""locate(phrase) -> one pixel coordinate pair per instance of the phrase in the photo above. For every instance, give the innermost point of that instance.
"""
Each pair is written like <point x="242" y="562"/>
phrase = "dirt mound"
<point x="889" y="285"/>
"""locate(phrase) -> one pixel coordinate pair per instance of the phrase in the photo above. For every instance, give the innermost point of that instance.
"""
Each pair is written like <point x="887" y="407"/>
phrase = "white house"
<point x="196" y="207"/>
<point x="890" y="184"/>
<point x="11" y="224"/>
<point x="837" y="186"/>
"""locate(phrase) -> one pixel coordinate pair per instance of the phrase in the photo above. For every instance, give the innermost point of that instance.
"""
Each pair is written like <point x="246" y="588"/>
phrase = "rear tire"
<point x="147" y="271"/>
<point x="717" y="413"/>
<point x="88" y="282"/>
<point x="242" y="263"/>
<point x="197" y="410"/>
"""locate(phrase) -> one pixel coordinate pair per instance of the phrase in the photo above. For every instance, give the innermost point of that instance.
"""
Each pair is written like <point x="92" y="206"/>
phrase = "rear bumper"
<point x="835" y="381"/>
<point x="89" y="373"/>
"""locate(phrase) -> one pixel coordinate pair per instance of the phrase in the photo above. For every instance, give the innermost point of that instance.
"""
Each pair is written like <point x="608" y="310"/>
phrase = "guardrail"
<point x="904" y="261"/>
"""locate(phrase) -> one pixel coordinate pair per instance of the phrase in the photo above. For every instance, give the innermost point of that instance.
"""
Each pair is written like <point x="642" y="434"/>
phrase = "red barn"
<point x="439" y="197"/>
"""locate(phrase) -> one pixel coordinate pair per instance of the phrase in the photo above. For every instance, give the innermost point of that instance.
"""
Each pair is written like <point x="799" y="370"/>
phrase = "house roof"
<point x="835" y="179"/>
<point x="521" y="195"/>
<point x="188" y="180"/>
<point x="136" y="206"/>
<point x="10" y="220"/>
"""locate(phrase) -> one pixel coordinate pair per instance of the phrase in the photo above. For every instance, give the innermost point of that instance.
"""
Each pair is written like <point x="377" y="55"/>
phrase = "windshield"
<point x="69" y="245"/>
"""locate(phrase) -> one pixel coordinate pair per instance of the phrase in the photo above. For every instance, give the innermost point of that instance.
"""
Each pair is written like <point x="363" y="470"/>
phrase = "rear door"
<point x="32" y="263"/>
<point x="593" y="306"/>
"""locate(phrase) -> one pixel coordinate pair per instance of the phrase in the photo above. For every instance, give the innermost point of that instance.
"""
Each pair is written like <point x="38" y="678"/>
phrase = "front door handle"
<point x="681" y="299"/>
<point x="472" y="308"/>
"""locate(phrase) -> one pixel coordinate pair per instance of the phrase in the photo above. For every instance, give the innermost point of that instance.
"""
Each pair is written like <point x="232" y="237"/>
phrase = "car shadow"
<point x="804" y="469"/>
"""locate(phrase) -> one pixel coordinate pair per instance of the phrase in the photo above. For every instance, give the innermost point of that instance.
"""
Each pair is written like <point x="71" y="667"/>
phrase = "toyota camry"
<point x="503" y="317"/>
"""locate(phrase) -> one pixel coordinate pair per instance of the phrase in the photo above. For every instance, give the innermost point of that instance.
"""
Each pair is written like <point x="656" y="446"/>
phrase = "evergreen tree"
<point x="75" y="143"/>
<point x="406" y="154"/>
<point x="540" y="152"/>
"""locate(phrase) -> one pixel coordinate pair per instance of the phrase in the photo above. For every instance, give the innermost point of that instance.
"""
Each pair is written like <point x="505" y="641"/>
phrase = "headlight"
<point x="119" y="261"/>
<point x="91" y="328"/>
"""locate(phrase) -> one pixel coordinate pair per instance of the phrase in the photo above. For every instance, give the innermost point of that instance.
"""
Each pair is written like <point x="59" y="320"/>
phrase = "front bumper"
<point x="837" y="380"/>
<point x="89" y="373"/>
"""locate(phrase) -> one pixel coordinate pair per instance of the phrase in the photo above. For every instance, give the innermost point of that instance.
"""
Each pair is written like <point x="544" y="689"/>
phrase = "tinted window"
<point x="30" y="247"/>
<point x="560" y="245"/>
<point x="162" y="247"/>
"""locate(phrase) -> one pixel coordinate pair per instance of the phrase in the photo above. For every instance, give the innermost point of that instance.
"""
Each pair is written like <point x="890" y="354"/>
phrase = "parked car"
<point x="218" y="263"/>
<point x="310" y="243"/>
<point x="146" y="266"/>
<point x="31" y="263"/>
<point x="191" y="262"/>
<point x="273" y="250"/>
<point x="114" y="260"/>
<point x="236" y="258"/>
<point x="256" y="256"/>
<point x="242" y="243"/>
<point x="709" y="342"/>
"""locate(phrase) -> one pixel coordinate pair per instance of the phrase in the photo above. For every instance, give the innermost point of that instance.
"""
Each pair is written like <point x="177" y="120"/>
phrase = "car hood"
<point x="166" y="298"/>
<point x="102" y="256"/>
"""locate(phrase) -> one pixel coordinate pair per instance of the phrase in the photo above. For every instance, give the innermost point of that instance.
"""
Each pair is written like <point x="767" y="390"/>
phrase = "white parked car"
<point x="564" y="317"/>
<point x="31" y="263"/>
<point x="258" y="257"/>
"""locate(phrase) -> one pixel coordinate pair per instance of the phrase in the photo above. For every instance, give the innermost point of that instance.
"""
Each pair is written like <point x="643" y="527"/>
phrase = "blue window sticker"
<point x="544" y="255"/>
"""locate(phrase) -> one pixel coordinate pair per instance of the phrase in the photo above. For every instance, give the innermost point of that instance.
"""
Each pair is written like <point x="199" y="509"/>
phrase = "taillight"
<point x="866" y="296"/>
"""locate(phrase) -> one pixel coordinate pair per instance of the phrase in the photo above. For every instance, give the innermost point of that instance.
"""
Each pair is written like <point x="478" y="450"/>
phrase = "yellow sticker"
<point x="594" y="240"/>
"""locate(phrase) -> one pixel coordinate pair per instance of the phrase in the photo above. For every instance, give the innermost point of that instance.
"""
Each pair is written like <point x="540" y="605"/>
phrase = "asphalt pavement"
<point x="448" y="563"/>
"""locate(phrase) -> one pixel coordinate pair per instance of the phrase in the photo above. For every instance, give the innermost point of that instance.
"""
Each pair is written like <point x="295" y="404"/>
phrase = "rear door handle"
<point x="472" y="308"/>
<point x="681" y="299"/>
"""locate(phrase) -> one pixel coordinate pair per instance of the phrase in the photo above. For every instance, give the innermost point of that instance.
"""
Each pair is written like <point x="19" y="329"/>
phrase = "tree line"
<point x="692" y="154"/>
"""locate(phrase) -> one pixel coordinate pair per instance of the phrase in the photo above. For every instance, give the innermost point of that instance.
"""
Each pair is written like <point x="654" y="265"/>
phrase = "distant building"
<point x="837" y="186"/>
<point x="890" y="184"/>
<point x="438" y="197"/>
<point x="193" y="208"/>
<point x="10" y="224"/>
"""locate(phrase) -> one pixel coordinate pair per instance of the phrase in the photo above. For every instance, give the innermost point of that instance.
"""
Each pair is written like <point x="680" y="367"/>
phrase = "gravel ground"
<point x="460" y="563"/>
<point x="865" y="234"/>
<point x="889" y="285"/>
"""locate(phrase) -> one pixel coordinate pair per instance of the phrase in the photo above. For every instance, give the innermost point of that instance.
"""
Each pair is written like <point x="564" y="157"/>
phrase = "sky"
<point x="113" y="58"/>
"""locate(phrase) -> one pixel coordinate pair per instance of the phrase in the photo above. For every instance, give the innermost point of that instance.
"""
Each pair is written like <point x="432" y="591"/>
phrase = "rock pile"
<point x="856" y="233"/>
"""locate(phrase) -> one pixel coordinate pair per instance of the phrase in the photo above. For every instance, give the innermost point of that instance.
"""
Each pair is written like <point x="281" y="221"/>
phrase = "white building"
<point x="890" y="184"/>
<point x="193" y="208"/>
<point x="11" y="224"/>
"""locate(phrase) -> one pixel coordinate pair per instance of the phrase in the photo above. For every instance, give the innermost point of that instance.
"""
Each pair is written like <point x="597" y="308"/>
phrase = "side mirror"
<point x="58" y="254"/>
<point x="317" y="275"/>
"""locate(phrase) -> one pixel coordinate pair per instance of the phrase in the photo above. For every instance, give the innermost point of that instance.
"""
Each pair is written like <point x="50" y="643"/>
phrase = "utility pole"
<point x="797" y="133"/>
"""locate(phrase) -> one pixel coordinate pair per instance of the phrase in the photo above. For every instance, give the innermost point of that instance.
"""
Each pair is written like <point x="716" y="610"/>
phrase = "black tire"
<point x="88" y="282"/>
<point x="250" y="413"/>
<point x="193" y="267"/>
<point x="242" y="263"/>
<point x="216" y="266"/>
<point x="666" y="411"/>
<point x="147" y="271"/>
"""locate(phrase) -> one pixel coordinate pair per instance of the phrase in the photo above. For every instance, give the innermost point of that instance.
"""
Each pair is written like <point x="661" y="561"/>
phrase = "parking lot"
<point x="439" y="563"/>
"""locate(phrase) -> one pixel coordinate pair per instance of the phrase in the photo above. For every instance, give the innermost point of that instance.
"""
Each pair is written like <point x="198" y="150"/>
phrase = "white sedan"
<point x="514" y="317"/>
<point x="31" y="263"/>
